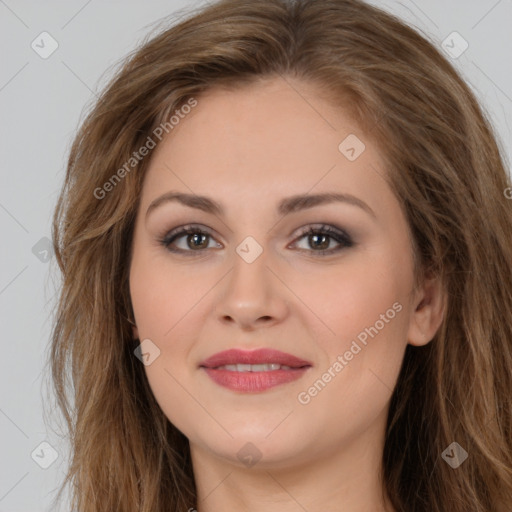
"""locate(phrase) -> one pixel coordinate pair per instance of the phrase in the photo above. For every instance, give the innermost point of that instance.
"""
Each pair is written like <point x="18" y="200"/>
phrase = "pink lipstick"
<point x="254" y="370"/>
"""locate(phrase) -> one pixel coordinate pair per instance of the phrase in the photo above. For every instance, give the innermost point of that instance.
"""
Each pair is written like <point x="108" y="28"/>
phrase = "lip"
<point x="259" y="356"/>
<point x="254" y="382"/>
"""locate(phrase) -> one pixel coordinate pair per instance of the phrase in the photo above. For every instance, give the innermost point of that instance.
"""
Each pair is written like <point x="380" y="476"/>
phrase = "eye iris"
<point x="315" y="237"/>
<point x="195" y="237"/>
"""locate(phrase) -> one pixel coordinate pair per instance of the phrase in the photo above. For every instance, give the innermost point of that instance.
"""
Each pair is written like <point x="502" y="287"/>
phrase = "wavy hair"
<point x="447" y="169"/>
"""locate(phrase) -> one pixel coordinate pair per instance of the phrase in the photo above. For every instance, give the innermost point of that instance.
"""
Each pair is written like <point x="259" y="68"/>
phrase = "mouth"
<point x="254" y="371"/>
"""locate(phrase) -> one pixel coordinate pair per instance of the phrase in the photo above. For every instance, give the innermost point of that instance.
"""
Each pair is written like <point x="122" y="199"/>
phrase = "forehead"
<point x="274" y="136"/>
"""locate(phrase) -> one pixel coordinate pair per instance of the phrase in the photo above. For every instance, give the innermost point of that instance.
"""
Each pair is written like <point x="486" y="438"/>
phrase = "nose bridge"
<point x="249" y="278"/>
<point x="251" y="291"/>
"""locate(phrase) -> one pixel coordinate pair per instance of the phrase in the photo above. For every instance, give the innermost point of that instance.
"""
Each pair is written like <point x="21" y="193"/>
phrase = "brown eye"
<point x="195" y="240"/>
<point x="319" y="239"/>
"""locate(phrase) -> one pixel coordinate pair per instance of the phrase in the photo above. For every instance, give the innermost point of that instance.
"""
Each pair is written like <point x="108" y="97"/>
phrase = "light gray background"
<point x="41" y="103"/>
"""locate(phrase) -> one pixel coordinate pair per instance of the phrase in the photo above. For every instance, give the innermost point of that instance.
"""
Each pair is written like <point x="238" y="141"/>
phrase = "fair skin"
<point x="248" y="149"/>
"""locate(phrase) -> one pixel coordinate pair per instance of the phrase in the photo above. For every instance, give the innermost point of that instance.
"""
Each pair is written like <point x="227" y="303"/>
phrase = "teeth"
<point x="253" y="367"/>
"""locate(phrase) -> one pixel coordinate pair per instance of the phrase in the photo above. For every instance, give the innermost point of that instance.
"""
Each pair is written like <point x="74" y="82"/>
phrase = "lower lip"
<point x="253" y="382"/>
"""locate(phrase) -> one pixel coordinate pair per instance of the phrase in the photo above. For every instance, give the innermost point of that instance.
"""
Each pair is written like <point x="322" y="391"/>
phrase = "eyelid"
<point x="187" y="227"/>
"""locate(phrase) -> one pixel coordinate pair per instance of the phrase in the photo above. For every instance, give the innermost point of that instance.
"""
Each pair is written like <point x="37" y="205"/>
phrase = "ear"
<point x="429" y="309"/>
<point x="135" y="332"/>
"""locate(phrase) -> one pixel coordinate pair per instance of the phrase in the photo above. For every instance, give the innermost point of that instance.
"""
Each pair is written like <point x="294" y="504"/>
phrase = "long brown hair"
<point x="447" y="169"/>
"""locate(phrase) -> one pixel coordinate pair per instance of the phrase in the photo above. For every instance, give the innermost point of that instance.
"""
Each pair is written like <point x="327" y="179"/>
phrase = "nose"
<point x="252" y="296"/>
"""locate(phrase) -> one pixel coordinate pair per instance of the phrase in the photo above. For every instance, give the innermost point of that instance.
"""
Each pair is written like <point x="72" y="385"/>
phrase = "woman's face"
<point x="258" y="280"/>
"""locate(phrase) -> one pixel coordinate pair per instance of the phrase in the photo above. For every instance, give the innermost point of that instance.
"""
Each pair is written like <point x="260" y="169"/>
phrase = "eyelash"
<point x="338" y="235"/>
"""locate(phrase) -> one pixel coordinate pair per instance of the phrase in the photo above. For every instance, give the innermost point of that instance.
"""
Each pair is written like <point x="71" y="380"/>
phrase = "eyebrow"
<point x="286" y="206"/>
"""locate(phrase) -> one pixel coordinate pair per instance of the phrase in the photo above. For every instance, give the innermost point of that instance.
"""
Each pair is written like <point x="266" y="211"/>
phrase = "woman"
<point x="284" y="239"/>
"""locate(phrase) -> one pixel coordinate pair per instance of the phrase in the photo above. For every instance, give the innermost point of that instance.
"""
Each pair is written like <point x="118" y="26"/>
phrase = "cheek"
<point x="163" y="295"/>
<point x="356" y="374"/>
<point x="166" y="302"/>
<point x="351" y="297"/>
<point x="162" y="306"/>
<point x="365" y="307"/>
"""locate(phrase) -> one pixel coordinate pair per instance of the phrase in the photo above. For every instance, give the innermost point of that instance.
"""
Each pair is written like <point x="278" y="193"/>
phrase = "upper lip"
<point x="259" y="356"/>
